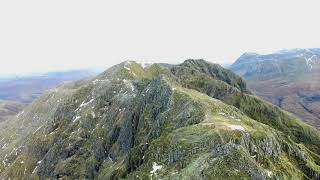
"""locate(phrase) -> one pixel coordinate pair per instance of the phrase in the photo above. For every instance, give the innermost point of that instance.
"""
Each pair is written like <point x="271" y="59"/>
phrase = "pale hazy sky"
<point x="48" y="35"/>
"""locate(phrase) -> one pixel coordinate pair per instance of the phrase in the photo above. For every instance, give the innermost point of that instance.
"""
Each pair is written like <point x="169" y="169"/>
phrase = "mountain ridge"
<point x="192" y="120"/>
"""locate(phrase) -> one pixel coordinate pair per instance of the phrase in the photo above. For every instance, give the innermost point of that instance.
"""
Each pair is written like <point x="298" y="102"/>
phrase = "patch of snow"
<point x="95" y="81"/>
<point x="155" y="168"/>
<point x="15" y="150"/>
<point x="147" y="90"/>
<point x="131" y="86"/>
<point x="235" y="118"/>
<point x="20" y="113"/>
<point x="4" y="146"/>
<point x="110" y="158"/>
<point x="38" y="129"/>
<point x="99" y="80"/>
<point x="221" y="113"/>
<point x="236" y="127"/>
<point x="311" y="61"/>
<point x="269" y="173"/>
<point x="93" y="114"/>
<point x="86" y="103"/>
<point x="34" y="170"/>
<point x="76" y="118"/>
<point x="97" y="126"/>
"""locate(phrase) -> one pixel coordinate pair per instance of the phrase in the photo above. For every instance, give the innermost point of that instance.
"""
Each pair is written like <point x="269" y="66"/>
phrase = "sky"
<point x="38" y="36"/>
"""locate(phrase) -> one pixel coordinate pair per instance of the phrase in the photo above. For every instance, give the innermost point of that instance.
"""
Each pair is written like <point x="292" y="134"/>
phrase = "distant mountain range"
<point x="194" y="120"/>
<point x="289" y="79"/>
<point x="26" y="88"/>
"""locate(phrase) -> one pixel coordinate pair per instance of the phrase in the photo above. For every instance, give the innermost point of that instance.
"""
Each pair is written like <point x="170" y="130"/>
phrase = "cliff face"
<point x="195" y="120"/>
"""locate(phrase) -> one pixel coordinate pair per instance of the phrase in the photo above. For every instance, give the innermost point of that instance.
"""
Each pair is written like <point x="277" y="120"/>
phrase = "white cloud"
<point x="46" y="35"/>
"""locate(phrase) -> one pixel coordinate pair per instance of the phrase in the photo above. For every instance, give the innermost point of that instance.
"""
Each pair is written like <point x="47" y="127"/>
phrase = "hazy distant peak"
<point x="283" y="54"/>
<point x="246" y="57"/>
<point x="250" y="54"/>
<point x="299" y="50"/>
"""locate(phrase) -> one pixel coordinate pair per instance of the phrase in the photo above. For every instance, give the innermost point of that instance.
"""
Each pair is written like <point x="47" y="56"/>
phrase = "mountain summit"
<point x="195" y="120"/>
<point x="288" y="78"/>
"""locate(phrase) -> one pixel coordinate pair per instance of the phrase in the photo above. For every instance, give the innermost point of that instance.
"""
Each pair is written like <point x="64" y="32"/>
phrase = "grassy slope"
<point x="254" y="107"/>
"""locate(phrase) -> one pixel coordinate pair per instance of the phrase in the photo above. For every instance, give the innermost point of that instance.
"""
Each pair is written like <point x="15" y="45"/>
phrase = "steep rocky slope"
<point x="195" y="120"/>
<point x="289" y="79"/>
<point x="9" y="109"/>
